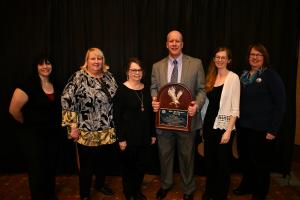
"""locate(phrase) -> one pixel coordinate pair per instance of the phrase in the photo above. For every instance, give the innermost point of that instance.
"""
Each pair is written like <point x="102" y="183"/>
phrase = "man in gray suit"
<point x="189" y="71"/>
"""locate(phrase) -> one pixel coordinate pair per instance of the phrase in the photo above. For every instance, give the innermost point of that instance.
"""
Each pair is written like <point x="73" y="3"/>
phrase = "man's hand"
<point x="155" y="104"/>
<point x="192" y="109"/>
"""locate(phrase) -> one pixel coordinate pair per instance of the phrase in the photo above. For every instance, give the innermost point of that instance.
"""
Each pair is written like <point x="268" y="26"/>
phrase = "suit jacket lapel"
<point x="165" y="71"/>
<point x="185" y="69"/>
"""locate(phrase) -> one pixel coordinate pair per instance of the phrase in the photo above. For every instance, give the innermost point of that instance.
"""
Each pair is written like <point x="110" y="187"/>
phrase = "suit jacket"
<point x="192" y="77"/>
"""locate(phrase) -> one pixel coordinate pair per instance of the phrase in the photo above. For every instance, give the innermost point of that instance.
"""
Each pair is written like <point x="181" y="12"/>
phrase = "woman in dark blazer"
<point x="262" y="108"/>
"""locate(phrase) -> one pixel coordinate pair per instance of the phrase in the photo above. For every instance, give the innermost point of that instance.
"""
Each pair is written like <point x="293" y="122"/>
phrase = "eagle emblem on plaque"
<point x="174" y="101"/>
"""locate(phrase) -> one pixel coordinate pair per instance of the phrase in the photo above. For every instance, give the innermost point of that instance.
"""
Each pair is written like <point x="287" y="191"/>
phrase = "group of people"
<point x="97" y="112"/>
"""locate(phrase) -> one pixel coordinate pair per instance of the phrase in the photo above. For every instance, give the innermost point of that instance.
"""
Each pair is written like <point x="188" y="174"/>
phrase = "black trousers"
<point x="134" y="161"/>
<point x="40" y="147"/>
<point x="93" y="161"/>
<point x="255" y="153"/>
<point x="217" y="164"/>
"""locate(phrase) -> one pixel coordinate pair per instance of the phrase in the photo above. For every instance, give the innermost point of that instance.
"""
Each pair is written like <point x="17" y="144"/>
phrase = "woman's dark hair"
<point x="133" y="60"/>
<point x="40" y="59"/>
<point x="263" y="50"/>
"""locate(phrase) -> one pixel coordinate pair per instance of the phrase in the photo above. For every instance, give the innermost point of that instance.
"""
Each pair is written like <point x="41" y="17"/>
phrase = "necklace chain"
<point x="141" y="100"/>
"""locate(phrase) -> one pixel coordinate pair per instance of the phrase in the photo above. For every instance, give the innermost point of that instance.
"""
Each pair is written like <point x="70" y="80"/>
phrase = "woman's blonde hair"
<point x="104" y="67"/>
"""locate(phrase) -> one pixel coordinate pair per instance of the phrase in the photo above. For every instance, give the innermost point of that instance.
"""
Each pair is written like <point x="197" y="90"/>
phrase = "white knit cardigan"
<point x="229" y="102"/>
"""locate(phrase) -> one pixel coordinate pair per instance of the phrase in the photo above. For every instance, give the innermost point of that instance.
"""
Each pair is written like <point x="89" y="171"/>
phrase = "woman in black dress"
<point x="223" y="92"/>
<point x="36" y="105"/>
<point x="134" y="128"/>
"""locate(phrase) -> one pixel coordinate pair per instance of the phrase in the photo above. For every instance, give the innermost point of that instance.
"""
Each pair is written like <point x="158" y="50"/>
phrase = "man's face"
<point x="174" y="43"/>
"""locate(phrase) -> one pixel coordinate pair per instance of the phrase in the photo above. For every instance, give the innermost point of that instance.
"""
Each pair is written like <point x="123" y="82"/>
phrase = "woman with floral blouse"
<point x="88" y="116"/>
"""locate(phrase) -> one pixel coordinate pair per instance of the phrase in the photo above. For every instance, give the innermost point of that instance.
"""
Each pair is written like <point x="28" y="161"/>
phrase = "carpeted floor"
<point x="15" y="187"/>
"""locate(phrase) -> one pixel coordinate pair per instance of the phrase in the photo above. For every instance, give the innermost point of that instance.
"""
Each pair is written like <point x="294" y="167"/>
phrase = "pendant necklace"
<point x="141" y="100"/>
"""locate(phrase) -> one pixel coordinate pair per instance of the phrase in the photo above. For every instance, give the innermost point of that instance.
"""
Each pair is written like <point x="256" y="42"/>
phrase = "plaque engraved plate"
<point x="174" y="99"/>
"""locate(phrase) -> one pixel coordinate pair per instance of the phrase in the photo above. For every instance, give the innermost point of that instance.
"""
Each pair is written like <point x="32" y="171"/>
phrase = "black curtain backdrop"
<point x="126" y="28"/>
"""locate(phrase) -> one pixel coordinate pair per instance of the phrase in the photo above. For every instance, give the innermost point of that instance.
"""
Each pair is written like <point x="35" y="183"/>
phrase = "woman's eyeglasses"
<point x="255" y="55"/>
<point x="220" y="58"/>
<point x="136" y="70"/>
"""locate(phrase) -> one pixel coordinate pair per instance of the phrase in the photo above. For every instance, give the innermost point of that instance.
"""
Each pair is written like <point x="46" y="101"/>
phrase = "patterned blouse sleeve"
<point x="69" y="103"/>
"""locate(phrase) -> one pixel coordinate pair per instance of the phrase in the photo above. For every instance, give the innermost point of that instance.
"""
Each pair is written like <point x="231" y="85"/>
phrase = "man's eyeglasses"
<point x="136" y="70"/>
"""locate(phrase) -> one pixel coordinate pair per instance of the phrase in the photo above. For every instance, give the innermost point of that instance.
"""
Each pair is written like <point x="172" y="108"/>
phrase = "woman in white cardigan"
<point x="223" y="92"/>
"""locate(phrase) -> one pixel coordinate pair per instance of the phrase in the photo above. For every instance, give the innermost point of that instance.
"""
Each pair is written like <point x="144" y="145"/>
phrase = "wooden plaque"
<point x="174" y="101"/>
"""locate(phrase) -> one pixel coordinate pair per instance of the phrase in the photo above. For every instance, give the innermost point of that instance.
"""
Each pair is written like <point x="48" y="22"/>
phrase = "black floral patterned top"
<point x="87" y="104"/>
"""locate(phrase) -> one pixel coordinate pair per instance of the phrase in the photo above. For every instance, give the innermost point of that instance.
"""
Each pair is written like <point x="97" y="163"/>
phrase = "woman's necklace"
<point x="141" y="100"/>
